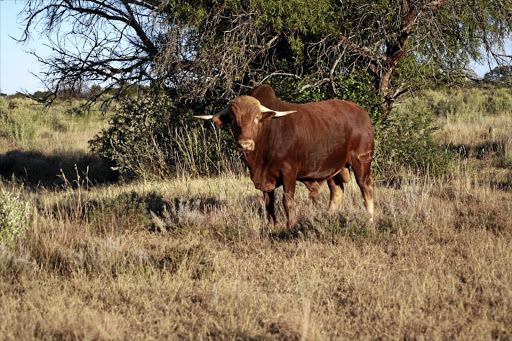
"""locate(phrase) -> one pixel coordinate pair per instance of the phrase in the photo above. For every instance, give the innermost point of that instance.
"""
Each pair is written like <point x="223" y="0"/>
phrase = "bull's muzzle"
<point x="245" y="145"/>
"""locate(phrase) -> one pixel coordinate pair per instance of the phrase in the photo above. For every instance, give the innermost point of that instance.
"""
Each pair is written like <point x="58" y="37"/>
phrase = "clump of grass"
<point x="14" y="213"/>
<point x="17" y="121"/>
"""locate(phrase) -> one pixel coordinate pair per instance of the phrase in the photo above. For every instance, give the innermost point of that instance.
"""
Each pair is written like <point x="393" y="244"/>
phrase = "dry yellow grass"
<point x="186" y="259"/>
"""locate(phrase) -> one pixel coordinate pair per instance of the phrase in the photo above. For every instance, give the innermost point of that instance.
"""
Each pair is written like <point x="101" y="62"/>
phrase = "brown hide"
<point x="313" y="144"/>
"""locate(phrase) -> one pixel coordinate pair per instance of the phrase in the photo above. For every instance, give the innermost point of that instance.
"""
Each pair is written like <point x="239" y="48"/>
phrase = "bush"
<point x="157" y="136"/>
<point x="13" y="218"/>
<point x="405" y="140"/>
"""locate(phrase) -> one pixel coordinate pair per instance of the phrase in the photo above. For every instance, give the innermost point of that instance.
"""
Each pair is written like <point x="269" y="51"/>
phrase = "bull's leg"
<point x="344" y="175"/>
<point x="362" y="171"/>
<point x="336" y="187"/>
<point x="269" y="207"/>
<point x="314" y="189"/>
<point x="289" y="201"/>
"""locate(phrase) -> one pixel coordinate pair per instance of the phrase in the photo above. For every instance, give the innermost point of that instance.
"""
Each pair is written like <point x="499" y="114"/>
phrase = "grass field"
<point x="189" y="258"/>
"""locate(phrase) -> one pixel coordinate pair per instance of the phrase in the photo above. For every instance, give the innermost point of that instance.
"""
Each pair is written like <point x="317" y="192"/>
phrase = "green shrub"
<point x="13" y="218"/>
<point x="157" y="136"/>
<point x="405" y="141"/>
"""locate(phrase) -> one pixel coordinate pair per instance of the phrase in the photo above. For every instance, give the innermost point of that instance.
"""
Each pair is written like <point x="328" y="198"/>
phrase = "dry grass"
<point x="186" y="259"/>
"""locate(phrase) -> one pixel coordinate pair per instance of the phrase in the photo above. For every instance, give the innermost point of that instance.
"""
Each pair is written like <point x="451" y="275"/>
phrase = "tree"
<point x="217" y="49"/>
<point x="113" y="43"/>
<point x="499" y="75"/>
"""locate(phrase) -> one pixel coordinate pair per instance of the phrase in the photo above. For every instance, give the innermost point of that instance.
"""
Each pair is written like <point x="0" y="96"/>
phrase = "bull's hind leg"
<point x="362" y="170"/>
<point x="314" y="189"/>
<point x="269" y="207"/>
<point x="336" y="187"/>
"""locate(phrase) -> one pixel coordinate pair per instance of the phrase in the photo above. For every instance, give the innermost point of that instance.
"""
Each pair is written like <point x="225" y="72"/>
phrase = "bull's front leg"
<point x="269" y="207"/>
<point x="289" y="201"/>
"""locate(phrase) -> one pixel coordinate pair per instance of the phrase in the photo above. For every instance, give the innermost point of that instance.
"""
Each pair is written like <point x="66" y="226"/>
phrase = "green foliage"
<point x="309" y="17"/>
<point x="157" y="136"/>
<point x="406" y="141"/>
<point x="13" y="218"/>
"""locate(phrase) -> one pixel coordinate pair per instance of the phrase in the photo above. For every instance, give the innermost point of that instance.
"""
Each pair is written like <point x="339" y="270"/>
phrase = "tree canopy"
<point x="220" y="48"/>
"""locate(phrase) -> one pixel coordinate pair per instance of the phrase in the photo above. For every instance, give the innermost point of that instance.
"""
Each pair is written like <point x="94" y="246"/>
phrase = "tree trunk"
<point x="395" y="52"/>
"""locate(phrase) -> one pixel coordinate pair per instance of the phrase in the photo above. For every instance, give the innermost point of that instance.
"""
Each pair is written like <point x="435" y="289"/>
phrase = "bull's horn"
<point x="204" y="117"/>
<point x="278" y="113"/>
<point x="209" y="117"/>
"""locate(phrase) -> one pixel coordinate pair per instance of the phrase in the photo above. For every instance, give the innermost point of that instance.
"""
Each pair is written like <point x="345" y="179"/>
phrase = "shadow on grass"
<point x="131" y="209"/>
<point x="36" y="169"/>
<point x="177" y="213"/>
<point x="323" y="226"/>
<point x="480" y="151"/>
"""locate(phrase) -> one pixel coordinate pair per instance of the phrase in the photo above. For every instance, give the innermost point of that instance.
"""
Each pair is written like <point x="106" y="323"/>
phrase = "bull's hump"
<point x="263" y="91"/>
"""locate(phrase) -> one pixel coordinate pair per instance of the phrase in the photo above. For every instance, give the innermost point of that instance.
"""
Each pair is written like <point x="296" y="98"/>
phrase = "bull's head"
<point x="246" y="114"/>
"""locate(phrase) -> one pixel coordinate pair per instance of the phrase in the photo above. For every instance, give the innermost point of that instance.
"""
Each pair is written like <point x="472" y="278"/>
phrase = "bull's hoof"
<point x="288" y="234"/>
<point x="283" y="235"/>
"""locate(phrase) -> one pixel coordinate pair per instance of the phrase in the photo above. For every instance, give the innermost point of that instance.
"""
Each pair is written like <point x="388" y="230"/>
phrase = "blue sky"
<point x="17" y="65"/>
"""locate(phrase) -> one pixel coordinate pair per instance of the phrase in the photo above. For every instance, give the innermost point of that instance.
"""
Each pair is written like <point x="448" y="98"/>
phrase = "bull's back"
<point x="327" y="132"/>
<point x="318" y="138"/>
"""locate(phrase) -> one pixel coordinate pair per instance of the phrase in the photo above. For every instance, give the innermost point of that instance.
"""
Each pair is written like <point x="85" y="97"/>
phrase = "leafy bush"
<point x="157" y="136"/>
<point x="405" y="140"/>
<point x="13" y="218"/>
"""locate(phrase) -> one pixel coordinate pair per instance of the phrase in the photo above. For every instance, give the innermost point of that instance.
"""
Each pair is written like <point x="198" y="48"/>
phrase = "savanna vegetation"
<point x="90" y="254"/>
<point x="123" y="218"/>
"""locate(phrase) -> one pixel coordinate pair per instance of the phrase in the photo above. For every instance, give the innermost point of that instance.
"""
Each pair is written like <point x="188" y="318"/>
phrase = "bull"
<point x="312" y="143"/>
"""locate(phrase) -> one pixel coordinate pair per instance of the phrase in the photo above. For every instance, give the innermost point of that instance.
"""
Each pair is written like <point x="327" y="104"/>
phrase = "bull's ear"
<point x="222" y="119"/>
<point x="267" y="113"/>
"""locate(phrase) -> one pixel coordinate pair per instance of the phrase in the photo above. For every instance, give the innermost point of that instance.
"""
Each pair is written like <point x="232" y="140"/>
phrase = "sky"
<point x="16" y="63"/>
<point x="18" y="66"/>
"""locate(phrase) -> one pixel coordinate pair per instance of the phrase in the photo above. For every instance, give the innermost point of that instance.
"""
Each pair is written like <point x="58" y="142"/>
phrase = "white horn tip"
<point x="204" y="117"/>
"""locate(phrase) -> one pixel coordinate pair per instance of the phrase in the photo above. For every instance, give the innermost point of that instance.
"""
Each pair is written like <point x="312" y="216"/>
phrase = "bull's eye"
<point x="257" y="119"/>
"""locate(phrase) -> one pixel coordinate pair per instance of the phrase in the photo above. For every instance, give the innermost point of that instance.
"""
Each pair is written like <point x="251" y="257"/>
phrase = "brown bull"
<point x="311" y="143"/>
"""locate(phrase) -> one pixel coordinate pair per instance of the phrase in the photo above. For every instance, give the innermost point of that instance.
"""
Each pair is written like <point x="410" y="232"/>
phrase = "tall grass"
<point x="191" y="258"/>
<point x="38" y="144"/>
<point x="27" y="123"/>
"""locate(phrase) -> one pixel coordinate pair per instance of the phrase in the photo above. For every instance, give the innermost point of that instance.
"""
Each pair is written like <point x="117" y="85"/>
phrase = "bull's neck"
<point x="264" y="142"/>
